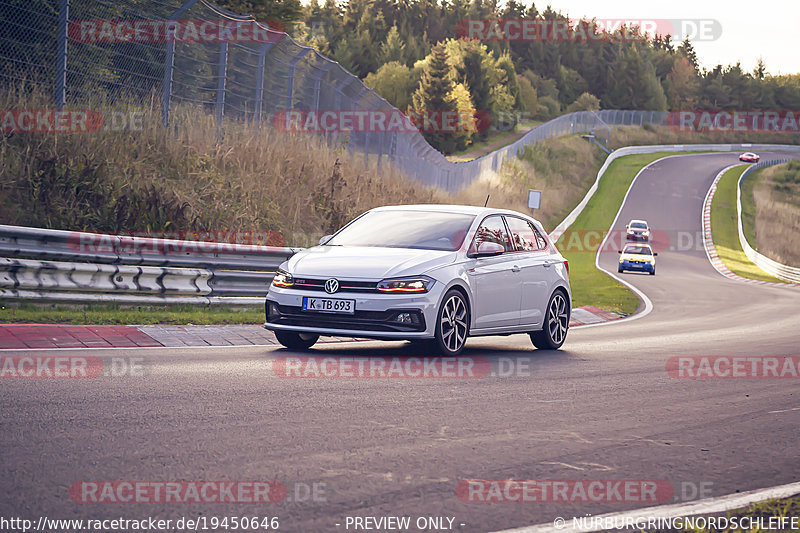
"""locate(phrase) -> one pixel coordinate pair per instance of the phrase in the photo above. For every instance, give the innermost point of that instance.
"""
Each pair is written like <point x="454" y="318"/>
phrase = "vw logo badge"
<point x="332" y="285"/>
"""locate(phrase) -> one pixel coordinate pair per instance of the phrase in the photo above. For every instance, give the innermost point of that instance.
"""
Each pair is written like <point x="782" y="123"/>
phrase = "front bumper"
<point x="375" y="316"/>
<point x="640" y="267"/>
<point x="637" y="237"/>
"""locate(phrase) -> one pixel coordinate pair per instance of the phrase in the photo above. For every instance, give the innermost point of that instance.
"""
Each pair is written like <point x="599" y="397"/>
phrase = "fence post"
<point x="262" y="60"/>
<point x="222" y="73"/>
<point x="169" y="63"/>
<point x="290" y="85"/>
<point x="318" y="82"/>
<point x="61" y="60"/>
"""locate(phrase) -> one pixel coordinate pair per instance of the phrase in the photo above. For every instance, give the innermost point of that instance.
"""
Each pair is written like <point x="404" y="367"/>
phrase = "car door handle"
<point x="515" y="268"/>
<point x="546" y="264"/>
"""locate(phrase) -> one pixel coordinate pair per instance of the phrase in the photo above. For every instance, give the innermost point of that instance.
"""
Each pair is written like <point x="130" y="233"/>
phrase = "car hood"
<point x="365" y="262"/>
<point x="638" y="257"/>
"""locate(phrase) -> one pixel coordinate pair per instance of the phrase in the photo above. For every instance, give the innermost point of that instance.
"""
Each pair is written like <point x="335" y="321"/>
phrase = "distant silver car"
<point x="637" y="230"/>
<point x="425" y="272"/>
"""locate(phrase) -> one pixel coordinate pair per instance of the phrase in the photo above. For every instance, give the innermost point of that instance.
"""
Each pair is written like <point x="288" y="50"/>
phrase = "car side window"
<point x="523" y="234"/>
<point x="492" y="229"/>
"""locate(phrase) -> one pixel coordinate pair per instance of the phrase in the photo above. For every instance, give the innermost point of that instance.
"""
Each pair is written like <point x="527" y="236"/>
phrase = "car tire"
<point x="295" y="340"/>
<point x="619" y="269"/>
<point x="556" y="323"/>
<point x="653" y="272"/>
<point x="452" y="323"/>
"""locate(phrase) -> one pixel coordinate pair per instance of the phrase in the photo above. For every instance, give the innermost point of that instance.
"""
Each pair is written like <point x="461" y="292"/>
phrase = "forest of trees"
<point x="403" y="49"/>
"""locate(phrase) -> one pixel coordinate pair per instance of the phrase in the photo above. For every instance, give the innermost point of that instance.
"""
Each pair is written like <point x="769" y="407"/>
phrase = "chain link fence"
<point x="172" y="54"/>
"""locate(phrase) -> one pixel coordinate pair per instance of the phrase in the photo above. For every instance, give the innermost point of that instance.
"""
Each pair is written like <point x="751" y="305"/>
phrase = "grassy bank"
<point x="589" y="285"/>
<point x="725" y="232"/>
<point x="17" y="312"/>
<point x="778" y="508"/>
<point x="771" y="211"/>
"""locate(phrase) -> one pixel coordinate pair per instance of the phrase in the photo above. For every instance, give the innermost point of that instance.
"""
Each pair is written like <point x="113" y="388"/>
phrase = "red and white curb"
<point x="66" y="337"/>
<point x="708" y="242"/>
<point x="583" y="316"/>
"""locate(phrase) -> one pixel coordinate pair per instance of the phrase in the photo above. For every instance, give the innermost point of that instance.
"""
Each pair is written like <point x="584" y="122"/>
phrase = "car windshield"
<point x="423" y="230"/>
<point x="638" y="225"/>
<point x="644" y="250"/>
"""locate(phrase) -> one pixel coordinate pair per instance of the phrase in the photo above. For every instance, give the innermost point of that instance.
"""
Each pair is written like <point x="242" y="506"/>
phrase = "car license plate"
<point x="329" y="305"/>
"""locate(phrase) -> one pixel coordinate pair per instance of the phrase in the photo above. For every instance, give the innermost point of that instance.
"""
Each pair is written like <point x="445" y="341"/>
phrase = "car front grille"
<point x="316" y="284"/>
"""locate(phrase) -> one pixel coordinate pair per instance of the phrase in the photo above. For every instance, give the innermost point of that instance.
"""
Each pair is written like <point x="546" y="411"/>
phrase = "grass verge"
<point x="724" y="229"/>
<point x="771" y="211"/>
<point x="16" y="312"/>
<point x="589" y="285"/>
<point x="764" y="511"/>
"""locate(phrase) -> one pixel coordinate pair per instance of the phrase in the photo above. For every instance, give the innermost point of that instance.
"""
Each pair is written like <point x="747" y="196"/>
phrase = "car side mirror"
<point x="325" y="239"/>
<point x="619" y="251"/>
<point x="488" y="249"/>
<point x="655" y="254"/>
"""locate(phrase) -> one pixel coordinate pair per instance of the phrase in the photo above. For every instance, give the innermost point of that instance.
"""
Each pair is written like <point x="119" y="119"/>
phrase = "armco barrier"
<point x="779" y="270"/>
<point x="42" y="264"/>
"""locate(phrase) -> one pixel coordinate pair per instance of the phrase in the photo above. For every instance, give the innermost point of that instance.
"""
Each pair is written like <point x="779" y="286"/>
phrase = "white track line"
<point x="706" y="506"/>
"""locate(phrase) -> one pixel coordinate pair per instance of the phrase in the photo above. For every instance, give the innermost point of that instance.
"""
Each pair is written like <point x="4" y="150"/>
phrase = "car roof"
<point x="637" y="245"/>
<point x="447" y="208"/>
<point x="634" y="220"/>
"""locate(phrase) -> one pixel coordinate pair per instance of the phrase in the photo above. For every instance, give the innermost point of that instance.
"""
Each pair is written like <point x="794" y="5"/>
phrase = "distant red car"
<point x="749" y="157"/>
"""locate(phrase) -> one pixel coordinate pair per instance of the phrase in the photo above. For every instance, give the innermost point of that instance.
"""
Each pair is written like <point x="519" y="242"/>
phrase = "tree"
<point x="393" y="49"/>
<point x="433" y="97"/>
<point x="688" y="52"/>
<point x="468" y="121"/>
<point x="284" y="11"/>
<point x="395" y="82"/>
<point x="585" y="102"/>
<point x="681" y="85"/>
<point x="527" y="99"/>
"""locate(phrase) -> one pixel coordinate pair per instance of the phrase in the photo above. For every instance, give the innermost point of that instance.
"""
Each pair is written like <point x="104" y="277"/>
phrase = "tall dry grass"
<point x="776" y="196"/>
<point x="188" y="177"/>
<point x="193" y="177"/>
<point x="649" y="134"/>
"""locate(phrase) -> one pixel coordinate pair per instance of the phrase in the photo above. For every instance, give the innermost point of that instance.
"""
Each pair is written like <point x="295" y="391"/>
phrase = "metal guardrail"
<point x="774" y="268"/>
<point x="65" y="265"/>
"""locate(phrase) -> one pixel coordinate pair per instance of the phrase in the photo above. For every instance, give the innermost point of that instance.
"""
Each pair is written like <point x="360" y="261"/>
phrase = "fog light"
<point x="272" y="311"/>
<point x="404" y="318"/>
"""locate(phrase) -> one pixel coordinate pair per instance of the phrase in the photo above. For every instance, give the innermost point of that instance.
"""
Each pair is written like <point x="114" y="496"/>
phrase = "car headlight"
<point x="407" y="285"/>
<point x="282" y="279"/>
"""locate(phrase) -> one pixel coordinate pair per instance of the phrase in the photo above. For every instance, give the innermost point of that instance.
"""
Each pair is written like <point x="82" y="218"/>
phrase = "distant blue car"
<point x="638" y="258"/>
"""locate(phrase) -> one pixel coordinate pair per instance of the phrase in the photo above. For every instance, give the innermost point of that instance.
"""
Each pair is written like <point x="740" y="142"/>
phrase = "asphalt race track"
<point x="604" y="407"/>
